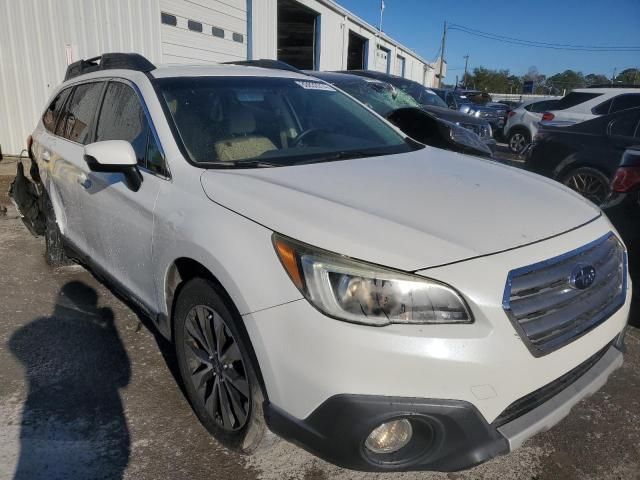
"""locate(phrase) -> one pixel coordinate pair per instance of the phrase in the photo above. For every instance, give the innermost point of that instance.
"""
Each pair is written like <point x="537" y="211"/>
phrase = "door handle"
<point x="84" y="180"/>
<point x="46" y="156"/>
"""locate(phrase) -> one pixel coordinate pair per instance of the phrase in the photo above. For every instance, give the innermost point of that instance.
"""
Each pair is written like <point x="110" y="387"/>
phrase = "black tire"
<point x="588" y="182"/>
<point x="518" y="139"/>
<point x="54" y="245"/>
<point x="203" y="319"/>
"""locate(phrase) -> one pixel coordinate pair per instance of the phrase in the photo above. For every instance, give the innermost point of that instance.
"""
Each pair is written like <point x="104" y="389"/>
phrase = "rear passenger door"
<point x="60" y="154"/>
<point x="118" y="221"/>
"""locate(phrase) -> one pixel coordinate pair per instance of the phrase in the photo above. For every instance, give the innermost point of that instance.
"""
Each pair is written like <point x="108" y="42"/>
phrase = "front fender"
<point x="235" y="250"/>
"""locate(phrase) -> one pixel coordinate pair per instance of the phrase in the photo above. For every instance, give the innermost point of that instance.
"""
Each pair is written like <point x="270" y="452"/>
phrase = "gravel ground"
<point x="87" y="391"/>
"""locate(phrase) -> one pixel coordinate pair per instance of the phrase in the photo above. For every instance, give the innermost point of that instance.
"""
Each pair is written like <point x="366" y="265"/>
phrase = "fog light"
<point x="389" y="437"/>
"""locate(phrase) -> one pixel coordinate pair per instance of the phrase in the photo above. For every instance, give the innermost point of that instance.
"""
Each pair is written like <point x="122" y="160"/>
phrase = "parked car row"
<point x="384" y="304"/>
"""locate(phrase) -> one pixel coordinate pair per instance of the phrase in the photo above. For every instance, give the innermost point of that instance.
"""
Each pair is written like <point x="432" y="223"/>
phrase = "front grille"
<point x="550" y="306"/>
<point x="540" y="396"/>
<point x="488" y="114"/>
<point x="481" y="130"/>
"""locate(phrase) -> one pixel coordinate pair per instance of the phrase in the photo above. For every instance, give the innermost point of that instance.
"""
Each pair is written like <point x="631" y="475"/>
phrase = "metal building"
<point x="39" y="38"/>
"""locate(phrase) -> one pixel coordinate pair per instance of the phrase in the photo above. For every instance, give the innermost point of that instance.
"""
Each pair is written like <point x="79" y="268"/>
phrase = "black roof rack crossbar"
<point x="266" y="63"/>
<point x="109" y="61"/>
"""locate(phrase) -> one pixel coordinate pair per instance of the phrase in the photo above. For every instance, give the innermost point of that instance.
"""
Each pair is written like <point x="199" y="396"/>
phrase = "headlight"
<point x="464" y="138"/>
<point x="359" y="292"/>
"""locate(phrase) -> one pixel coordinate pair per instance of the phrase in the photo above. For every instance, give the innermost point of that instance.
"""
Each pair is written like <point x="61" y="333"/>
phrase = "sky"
<point x="418" y="24"/>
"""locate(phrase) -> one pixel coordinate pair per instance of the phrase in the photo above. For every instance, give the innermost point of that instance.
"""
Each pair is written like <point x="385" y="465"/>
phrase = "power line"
<point x="532" y="43"/>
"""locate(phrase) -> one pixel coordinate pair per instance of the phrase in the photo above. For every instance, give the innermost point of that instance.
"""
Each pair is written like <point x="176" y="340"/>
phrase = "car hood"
<point x="453" y="115"/>
<point x="409" y="211"/>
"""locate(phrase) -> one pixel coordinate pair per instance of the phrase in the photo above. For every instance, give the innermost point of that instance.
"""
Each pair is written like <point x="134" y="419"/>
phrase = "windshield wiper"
<point x="237" y="164"/>
<point x="345" y="155"/>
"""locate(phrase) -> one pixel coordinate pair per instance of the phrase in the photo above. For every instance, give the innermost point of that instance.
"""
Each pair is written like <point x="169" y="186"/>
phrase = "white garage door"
<point x="203" y="31"/>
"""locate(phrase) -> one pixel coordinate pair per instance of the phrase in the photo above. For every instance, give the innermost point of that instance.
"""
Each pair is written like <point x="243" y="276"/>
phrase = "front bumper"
<point x="491" y="143"/>
<point x="449" y="435"/>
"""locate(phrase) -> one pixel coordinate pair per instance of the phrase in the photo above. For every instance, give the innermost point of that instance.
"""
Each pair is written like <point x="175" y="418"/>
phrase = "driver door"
<point x="119" y="222"/>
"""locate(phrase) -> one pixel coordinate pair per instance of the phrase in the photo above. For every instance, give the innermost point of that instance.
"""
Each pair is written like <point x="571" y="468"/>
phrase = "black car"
<point x="432" y="103"/>
<point x="623" y="205"/>
<point x="406" y="113"/>
<point x="585" y="156"/>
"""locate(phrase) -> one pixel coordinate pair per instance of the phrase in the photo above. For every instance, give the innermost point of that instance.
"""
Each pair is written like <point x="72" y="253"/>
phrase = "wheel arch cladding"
<point x="178" y="274"/>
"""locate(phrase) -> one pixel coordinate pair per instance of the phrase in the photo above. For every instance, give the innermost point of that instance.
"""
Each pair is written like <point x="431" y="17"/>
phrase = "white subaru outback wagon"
<point x="383" y="304"/>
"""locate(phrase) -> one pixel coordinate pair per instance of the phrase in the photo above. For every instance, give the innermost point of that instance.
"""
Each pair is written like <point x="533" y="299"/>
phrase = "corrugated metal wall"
<point x="264" y="24"/>
<point x="39" y="37"/>
<point x="183" y="46"/>
<point x="36" y="36"/>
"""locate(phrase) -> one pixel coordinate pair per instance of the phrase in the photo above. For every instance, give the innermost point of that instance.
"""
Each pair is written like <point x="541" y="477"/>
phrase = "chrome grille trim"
<point x="548" y="312"/>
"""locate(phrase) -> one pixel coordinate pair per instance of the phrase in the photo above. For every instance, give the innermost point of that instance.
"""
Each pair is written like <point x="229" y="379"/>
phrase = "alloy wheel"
<point x="589" y="186"/>
<point x="517" y="142"/>
<point x="217" y="370"/>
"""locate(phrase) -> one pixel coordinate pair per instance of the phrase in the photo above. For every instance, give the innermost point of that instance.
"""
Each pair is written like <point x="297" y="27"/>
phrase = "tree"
<point x="595" y="79"/>
<point x="489" y="80"/>
<point x="565" y="81"/>
<point x="630" y="76"/>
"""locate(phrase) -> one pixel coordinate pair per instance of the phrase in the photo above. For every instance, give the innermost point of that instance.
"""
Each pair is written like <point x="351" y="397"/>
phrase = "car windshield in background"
<point x="461" y="99"/>
<point x="420" y="93"/>
<point x="382" y="98"/>
<point x="256" y="121"/>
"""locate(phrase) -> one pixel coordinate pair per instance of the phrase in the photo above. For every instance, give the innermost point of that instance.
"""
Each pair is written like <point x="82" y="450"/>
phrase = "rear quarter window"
<point x="52" y="113"/>
<point x="575" y="98"/>
<point x="75" y="123"/>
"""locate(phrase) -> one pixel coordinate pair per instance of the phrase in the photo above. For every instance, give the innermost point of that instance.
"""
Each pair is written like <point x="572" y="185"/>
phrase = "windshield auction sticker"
<point x="315" y="86"/>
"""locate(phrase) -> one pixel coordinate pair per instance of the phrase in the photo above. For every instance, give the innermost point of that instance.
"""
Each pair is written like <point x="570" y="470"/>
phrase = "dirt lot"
<point x="87" y="391"/>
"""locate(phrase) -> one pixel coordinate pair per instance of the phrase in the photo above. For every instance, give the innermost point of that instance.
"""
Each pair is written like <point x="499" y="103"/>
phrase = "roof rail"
<point x="615" y="85"/>
<point x="266" y="63"/>
<point x="109" y="61"/>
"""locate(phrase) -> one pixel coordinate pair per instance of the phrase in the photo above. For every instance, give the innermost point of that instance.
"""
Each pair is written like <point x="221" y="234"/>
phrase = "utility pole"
<point x="613" y="77"/>
<point x="464" y="77"/>
<point x="444" y="41"/>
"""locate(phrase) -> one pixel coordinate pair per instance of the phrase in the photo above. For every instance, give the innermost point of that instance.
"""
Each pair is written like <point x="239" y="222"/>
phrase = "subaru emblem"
<point x="582" y="277"/>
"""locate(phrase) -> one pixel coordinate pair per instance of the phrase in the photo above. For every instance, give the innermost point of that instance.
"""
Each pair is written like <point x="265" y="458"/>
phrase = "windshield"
<point x="421" y="94"/>
<point x="258" y="121"/>
<point x="429" y="98"/>
<point x="461" y="99"/>
<point x="382" y="98"/>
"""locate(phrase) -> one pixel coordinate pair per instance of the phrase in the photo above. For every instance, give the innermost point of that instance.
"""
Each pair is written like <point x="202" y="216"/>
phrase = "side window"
<point x="624" y="126"/>
<point x="53" y="110"/>
<point x="122" y="118"/>
<point x="623" y="102"/>
<point x="603" y="108"/>
<point x="540" y="107"/>
<point x="155" y="160"/>
<point x="75" y="124"/>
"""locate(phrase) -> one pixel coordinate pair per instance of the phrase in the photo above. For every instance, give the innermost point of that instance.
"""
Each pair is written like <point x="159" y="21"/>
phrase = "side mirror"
<point x="115" y="156"/>
<point x="436" y="132"/>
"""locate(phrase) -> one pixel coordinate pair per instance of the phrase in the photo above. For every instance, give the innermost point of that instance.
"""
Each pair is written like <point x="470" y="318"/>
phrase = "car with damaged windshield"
<point x="408" y="115"/>
<point x="431" y="103"/>
<point x="383" y="304"/>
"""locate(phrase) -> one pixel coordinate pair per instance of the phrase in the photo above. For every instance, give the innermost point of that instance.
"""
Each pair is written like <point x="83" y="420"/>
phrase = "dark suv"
<point x="433" y="104"/>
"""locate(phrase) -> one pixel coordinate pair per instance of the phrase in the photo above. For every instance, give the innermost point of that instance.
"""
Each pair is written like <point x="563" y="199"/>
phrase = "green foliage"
<point x="629" y="76"/>
<point x="502" y="81"/>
